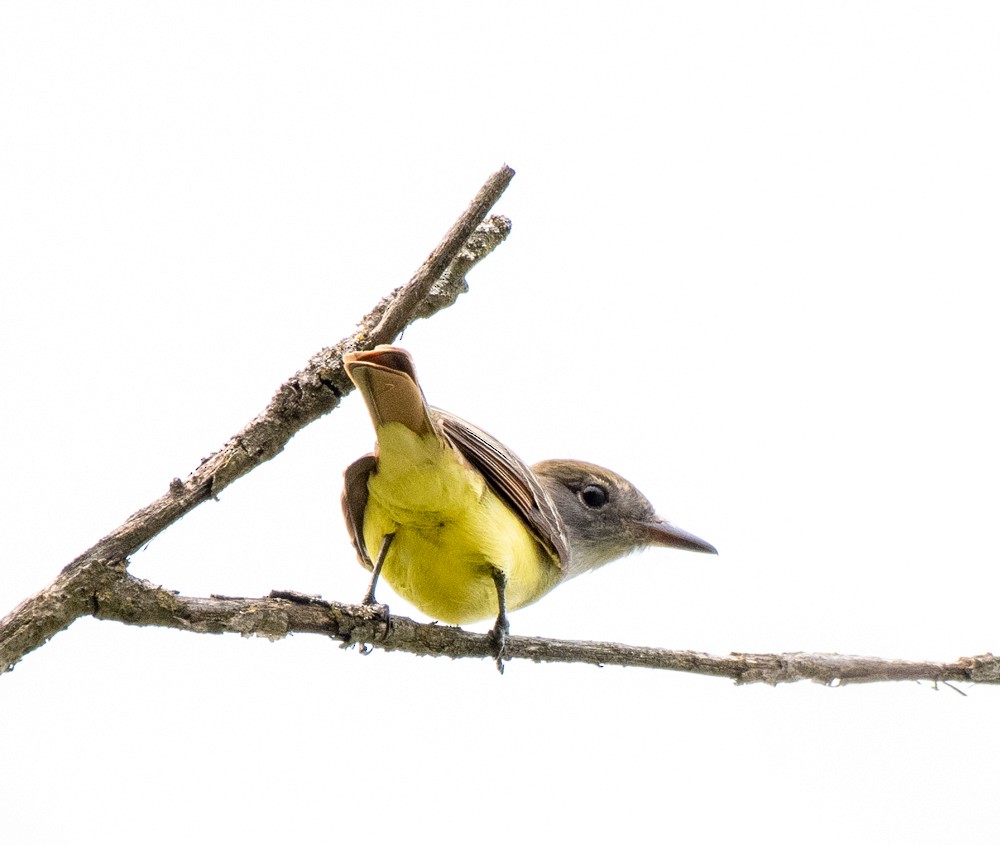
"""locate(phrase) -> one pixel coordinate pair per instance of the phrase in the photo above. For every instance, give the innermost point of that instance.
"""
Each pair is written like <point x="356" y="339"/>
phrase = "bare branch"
<point x="137" y="602"/>
<point x="313" y="391"/>
<point x="35" y="620"/>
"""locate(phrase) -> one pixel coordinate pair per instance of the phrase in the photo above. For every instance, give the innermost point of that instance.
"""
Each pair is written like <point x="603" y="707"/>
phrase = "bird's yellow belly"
<point x="451" y="533"/>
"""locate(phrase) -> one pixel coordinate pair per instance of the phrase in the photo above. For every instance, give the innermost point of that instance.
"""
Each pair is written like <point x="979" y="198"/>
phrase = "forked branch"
<point x="97" y="583"/>
<point x="313" y="391"/>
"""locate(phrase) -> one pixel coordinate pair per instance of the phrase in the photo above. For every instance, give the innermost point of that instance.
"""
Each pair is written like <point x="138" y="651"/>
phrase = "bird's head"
<point x="605" y="516"/>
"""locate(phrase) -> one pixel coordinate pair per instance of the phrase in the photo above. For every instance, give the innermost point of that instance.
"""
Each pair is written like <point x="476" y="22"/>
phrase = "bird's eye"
<point x="593" y="496"/>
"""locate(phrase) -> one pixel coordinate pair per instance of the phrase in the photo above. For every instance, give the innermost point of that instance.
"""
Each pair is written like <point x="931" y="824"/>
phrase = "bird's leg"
<point x="377" y="570"/>
<point x="380" y="610"/>
<point x="501" y="630"/>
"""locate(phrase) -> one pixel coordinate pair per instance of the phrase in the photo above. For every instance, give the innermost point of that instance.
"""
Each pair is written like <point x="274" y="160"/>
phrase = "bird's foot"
<point x="379" y="615"/>
<point x="500" y="636"/>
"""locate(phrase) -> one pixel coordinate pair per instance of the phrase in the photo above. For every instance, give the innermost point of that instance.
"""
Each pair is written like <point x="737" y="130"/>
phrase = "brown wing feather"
<point x="354" y="500"/>
<point x="510" y="478"/>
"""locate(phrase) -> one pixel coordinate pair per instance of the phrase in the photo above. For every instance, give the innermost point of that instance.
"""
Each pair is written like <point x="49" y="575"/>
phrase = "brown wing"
<point x="511" y="479"/>
<point x="354" y="500"/>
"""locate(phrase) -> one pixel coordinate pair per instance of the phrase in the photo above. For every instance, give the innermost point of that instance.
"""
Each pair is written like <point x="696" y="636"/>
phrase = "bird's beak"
<point x="662" y="533"/>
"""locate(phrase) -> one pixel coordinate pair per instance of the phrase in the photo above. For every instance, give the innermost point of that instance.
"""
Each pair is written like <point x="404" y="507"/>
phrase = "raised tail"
<point x="387" y="379"/>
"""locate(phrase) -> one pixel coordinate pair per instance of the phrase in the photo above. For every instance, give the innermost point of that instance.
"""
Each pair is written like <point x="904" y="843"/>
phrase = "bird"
<point x="460" y="526"/>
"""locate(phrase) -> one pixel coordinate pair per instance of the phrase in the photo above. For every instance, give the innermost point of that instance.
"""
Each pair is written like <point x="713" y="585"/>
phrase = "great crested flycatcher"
<point x="464" y="530"/>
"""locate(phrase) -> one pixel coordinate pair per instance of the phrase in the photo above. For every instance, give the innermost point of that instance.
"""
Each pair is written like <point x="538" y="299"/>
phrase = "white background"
<point x="752" y="268"/>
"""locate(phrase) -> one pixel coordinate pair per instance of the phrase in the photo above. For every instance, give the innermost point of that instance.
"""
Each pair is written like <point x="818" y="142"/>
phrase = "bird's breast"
<point x="451" y="531"/>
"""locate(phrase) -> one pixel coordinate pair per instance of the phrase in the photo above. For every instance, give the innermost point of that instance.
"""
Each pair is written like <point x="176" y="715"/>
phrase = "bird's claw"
<point x="364" y="636"/>
<point x="379" y="614"/>
<point x="500" y="636"/>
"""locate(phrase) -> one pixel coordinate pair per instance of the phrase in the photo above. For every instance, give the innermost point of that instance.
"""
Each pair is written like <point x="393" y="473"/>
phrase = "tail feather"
<point x="387" y="380"/>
